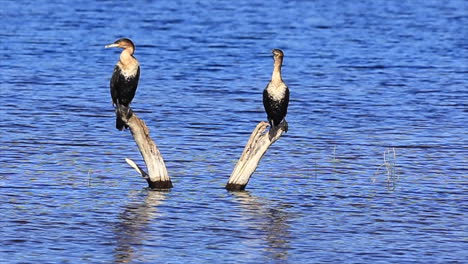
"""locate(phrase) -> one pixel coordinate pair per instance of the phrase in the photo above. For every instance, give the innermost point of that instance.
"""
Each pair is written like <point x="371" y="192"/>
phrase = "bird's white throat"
<point x="277" y="90"/>
<point x="129" y="70"/>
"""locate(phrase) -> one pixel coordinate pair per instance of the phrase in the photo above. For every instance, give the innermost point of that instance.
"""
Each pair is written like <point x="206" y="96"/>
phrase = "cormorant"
<point x="276" y="94"/>
<point x="124" y="81"/>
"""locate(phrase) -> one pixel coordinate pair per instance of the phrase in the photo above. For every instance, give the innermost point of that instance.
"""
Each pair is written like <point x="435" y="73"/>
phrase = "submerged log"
<point x="157" y="176"/>
<point x="258" y="144"/>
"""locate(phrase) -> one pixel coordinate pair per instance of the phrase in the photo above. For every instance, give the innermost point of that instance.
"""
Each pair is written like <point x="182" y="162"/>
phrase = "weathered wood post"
<point x="258" y="144"/>
<point x="157" y="176"/>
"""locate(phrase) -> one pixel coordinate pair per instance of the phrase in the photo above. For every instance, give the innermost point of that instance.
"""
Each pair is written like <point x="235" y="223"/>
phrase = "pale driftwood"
<point x="258" y="144"/>
<point x="157" y="176"/>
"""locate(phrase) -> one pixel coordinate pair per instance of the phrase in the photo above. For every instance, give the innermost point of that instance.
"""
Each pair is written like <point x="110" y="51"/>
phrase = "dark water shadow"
<point x="270" y="221"/>
<point x="131" y="230"/>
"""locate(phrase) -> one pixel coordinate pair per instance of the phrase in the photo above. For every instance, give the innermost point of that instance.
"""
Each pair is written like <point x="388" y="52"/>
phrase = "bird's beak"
<point x="113" y="45"/>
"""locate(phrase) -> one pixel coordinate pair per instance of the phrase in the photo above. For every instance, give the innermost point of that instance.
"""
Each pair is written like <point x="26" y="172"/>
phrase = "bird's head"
<point x="277" y="53"/>
<point x="123" y="43"/>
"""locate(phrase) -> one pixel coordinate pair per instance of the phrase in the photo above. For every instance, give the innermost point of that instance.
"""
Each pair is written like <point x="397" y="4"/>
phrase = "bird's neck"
<point x="127" y="62"/>
<point x="276" y="76"/>
<point x="126" y="57"/>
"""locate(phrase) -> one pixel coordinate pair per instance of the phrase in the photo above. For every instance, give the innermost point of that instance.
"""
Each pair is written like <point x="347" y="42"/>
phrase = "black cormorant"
<point x="124" y="81"/>
<point x="276" y="94"/>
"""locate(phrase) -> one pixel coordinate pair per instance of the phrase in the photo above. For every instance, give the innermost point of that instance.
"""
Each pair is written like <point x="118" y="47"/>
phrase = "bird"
<point x="124" y="81"/>
<point x="276" y="94"/>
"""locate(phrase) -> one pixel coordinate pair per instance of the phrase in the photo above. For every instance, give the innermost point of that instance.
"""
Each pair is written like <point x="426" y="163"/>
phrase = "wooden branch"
<point x="157" y="176"/>
<point x="256" y="147"/>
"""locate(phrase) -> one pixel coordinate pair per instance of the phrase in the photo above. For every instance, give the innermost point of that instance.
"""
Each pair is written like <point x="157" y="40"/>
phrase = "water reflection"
<point x="131" y="229"/>
<point x="270" y="222"/>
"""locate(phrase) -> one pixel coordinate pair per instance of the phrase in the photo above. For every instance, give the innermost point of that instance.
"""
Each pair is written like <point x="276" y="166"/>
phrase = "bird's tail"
<point x="121" y="112"/>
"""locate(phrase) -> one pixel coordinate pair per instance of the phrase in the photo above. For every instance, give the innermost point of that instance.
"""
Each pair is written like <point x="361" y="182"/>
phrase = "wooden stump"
<point x="157" y="176"/>
<point x="258" y="144"/>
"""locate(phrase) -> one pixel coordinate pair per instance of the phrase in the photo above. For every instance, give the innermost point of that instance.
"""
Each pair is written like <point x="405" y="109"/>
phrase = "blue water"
<point x="366" y="79"/>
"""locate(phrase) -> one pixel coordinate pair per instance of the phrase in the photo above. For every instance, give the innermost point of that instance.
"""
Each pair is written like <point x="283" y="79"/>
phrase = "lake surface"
<point x="367" y="79"/>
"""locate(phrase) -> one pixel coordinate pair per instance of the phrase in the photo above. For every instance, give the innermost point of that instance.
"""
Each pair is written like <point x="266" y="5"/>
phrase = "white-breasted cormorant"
<point x="276" y="94"/>
<point x="124" y="81"/>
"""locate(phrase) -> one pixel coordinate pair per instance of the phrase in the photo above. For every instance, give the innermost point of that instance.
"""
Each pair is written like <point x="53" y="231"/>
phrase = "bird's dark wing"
<point x="269" y="106"/>
<point x="114" y="84"/>
<point x="284" y="104"/>
<point x="266" y="102"/>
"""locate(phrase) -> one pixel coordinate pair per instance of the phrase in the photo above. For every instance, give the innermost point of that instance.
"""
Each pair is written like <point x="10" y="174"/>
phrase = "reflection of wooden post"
<point x="131" y="228"/>
<point x="272" y="219"/>
<point x="258" y="144"/>
<point x="157" y="176"/>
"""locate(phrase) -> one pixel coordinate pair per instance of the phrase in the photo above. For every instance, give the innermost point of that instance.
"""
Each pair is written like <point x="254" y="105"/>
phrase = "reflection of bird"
<point x="124" y="80"/>
<point x="276" y="94"/>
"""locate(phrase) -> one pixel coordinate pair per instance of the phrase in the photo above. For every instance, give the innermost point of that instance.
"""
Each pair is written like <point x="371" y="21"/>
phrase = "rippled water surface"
<point x="367" y="79"/>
